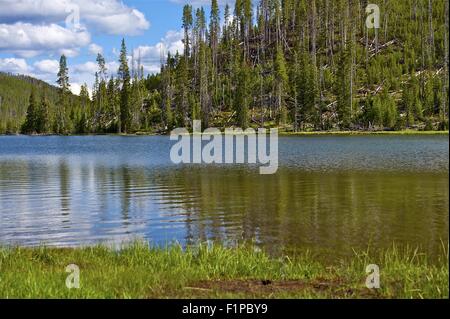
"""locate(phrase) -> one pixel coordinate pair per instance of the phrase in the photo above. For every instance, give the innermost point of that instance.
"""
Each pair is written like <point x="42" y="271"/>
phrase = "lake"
<point x="331" y="194"/>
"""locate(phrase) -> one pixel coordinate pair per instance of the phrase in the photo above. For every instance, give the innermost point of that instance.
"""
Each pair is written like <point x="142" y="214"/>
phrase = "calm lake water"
<point x="331" y="194"/>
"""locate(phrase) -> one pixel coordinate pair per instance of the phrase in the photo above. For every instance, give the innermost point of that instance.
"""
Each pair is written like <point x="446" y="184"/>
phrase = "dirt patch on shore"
<point x="325" y="287"/>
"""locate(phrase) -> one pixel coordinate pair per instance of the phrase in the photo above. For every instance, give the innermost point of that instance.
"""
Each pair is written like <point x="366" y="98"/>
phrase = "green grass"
<point x="139" y="271"/>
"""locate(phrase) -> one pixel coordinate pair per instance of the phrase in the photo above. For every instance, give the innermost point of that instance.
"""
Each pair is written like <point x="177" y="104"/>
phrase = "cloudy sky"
<point x="34" y="34"/>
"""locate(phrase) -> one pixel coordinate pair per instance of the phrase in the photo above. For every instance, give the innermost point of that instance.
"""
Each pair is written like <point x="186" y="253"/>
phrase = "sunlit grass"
<point x="140" y="271"/>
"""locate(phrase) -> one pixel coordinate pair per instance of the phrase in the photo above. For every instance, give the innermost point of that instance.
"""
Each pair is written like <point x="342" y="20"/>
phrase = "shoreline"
<point x="212" y="271"/>
<point x="284" y="134"/>
<point x="364" y="133"/>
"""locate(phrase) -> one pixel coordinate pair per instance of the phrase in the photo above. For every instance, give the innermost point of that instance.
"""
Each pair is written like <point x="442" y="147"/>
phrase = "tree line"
<point x="301" y="65"/>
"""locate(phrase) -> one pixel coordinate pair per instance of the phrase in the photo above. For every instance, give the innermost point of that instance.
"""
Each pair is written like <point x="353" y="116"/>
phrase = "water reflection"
<point x="71" y="199"/>
<point x="332" y="212"/>
<point x="82" y="203"/>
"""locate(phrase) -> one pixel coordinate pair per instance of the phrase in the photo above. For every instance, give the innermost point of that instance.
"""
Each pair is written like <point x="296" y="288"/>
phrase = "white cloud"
<point x="25" y="53"/>
<point x="27" y="40"/>
<point x="202" y="2"/>
<point x="151" y="55"/>
<point x="112" y="67"/>
<point x="131" y="22"/>
<point x="152" y="68"/>
<point x="47" y="70"/>
<point x="12" y="11"/>
<point x="47" y="66"/>
<point x="75" y="88"/>
<point x="15" y="66"/>
<point x="87" y="67"/>
<point x="107" y="16"/>
<point x="94" y="49"/>
<point x="84" y="73"/>
<point x="172" y="42"/>
<point x="70" y="53"/>
<point x="30" y="28"/>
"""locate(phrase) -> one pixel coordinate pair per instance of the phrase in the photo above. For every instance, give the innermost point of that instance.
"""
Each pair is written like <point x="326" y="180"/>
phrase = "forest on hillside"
<point x="301" y="65"/>
<point x="15" y="91"/>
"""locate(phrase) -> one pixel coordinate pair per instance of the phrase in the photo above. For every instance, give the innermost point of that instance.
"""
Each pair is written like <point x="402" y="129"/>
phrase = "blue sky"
<point x="34" y="33"/>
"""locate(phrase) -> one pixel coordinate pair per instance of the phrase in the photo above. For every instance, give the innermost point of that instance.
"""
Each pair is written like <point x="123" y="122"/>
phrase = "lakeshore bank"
<point x="205" y="271"/>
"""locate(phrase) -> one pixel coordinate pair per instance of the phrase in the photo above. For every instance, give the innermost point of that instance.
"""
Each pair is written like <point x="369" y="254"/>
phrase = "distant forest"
<point x="301" y="65"/>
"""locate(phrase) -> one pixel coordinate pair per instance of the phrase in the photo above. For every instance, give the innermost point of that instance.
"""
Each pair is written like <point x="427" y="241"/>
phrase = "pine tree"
<point x="44" y="116"/>
<point x="390" y="114"/>
<point x="344" y="98"/>
<point x="100" y="114"/>
<point x="83" y="122"/>
<point x="102" y="70"/>
<point x="182" y="95"/>
<point x="62" y="126"/>
<point x="30" y="125"/>
<point x="214" y="29"/>
<point x="168" y="92"/>
<point x="113" y="105"/>
<point x="243" y="95"/>
<point x="226" y="26"/>
<point x="214" y="35"/>
<point x="63" y="75"/>
<point x="187" y="26"/>
<point x="282" y="82"/>
<point x="124" y="76"/>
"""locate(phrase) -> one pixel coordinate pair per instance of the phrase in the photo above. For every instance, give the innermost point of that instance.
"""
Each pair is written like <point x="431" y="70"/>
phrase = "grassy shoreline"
<point x="139" y="271"/>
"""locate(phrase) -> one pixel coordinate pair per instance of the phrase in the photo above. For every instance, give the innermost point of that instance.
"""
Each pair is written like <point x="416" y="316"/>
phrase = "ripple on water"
<point x="331" y="193"/>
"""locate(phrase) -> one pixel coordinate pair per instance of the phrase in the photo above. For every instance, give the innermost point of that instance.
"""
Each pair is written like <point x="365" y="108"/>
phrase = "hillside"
<point x="15" y="91"/>
<point x="312" y="65"/>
